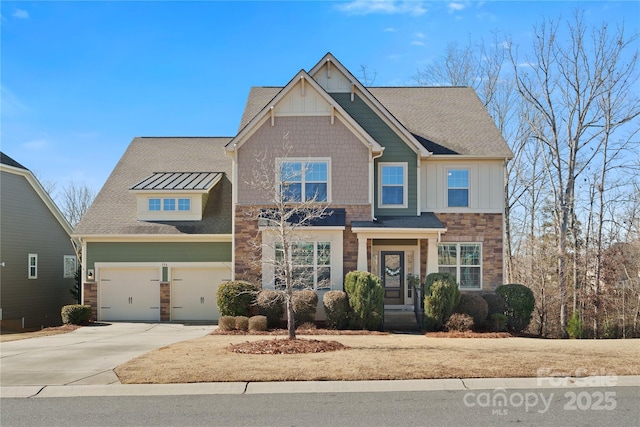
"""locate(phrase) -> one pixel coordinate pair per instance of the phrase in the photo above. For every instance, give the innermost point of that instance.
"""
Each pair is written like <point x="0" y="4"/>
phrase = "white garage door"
<point x="193" y="292"/>
<point x="129" y="294"/>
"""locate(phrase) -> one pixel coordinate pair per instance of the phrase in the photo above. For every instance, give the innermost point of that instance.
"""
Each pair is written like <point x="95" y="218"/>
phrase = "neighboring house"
<point x="37" y="256"/>
<point x="413" y="176"/>
<point x="157" y="239"/>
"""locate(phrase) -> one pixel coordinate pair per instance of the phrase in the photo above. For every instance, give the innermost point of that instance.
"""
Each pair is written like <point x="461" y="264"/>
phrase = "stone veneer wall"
<point x="165" y="301"/>
<point x="91" y="298"/>
<point x="483" y="228"/>
<point x="247" y="242"/>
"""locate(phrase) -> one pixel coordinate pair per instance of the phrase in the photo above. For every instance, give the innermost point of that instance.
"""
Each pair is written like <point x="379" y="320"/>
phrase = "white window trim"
<point x="458" y="265"/>
<point x="405" y="194"/>
<point x="66" y="274"/>
<point x="30" y="257"/>
<point x="304" y="160"/>
<point x="315" y="264"/>
<point x="176" y="205"/>
<point x="447" y="188"/>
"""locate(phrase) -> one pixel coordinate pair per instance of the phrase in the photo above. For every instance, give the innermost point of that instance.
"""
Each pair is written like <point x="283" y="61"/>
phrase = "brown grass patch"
<point x="380" y="357"/>
<point x="286" y="346"/>
<point x="468" y="334"/>
<point x="54" y="330"/>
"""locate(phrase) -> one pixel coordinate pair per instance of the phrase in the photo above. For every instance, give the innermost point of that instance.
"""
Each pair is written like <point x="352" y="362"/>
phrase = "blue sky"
<point x="80" y="79"/>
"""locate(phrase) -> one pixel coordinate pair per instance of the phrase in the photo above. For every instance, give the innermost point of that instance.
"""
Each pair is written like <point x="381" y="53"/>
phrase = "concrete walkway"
<point x="86" y="356"/>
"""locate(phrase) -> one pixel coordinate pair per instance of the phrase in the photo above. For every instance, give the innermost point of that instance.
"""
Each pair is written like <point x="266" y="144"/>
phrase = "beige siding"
<point x="486" y="185"/>
<point x="332" y="80"/>
<point x="308" y="137"/>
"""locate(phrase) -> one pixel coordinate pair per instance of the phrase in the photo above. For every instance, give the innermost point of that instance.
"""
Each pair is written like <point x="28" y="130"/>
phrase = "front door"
<point x="393" y="277"/>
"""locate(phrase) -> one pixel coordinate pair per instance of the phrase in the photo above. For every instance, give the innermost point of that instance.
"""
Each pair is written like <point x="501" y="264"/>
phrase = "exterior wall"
<point x="157" y="252"/>
<point x="483" y="228"/>
<point x="395" y="150"/>
<point x="165" y="301"/>
<point x="91" y="298"/>
<point x="29" y="227"/>
<point x="486" y="185"/>
<point x="306" y="137"/>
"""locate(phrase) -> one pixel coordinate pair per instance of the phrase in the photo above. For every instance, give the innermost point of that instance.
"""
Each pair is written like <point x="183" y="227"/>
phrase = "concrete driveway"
<point x="86" y="356"/>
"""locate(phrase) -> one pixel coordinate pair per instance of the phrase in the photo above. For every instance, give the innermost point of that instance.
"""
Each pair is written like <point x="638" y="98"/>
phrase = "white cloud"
<point x="417" y="43"/>
<point x="20" y="13"/>
<point x="455" y="7"/>
<point x="36" y="144"/>
<point x="11" y="104"/>
<point x="365" y="7"/>
<point x="390" y="30"/>
<point x="420" y="35"/>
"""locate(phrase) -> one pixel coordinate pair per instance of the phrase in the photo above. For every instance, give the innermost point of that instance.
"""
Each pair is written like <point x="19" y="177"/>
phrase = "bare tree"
<point x="367" y="78"/>
<point x="283" y="219"/>
<point x="565" y="85"/>
<point x="75" y="201"/>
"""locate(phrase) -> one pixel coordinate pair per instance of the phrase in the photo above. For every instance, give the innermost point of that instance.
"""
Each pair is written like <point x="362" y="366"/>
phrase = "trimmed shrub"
<point x="475" y="306"/>
<point x="366" y="299"/>
<point x="519" y="304"/>
<point x="495" y="303"/>
<point x="441" y="298"/>
<point x="304" y="305"/>
<point x="498" y="321"/>
<point x="258" y="323"/>
<point x="227" y="323"/>
<point x="242" y="323"/>
<point x="75" y="314"/>
<point x="575" y="327"/>
<point x="438" y="277"/>
<point x="236" y="298"/>
<point x="270" y="303"/>
<point x="306" y="326"/>
<point x="336" y="307"/>
<point x="459" y="322"/>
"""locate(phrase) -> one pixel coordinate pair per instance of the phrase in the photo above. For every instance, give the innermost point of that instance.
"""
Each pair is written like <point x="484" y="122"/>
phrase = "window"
<point x="458" y="187"/>
<point x="304" y="180"/>
<point x="70" y="266"/>
<point x="169" y="204"/>
<point x="184" y="204"/>
<point x="310" y="263"/>
<point x="393" y="185"/>
<point x="33" y="266"/>
<point x="464" y="261"/>
<point x="154" y="204"/>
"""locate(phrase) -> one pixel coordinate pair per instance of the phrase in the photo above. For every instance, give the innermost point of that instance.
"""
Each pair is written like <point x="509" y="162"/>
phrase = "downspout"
<point x="372" y="182"/>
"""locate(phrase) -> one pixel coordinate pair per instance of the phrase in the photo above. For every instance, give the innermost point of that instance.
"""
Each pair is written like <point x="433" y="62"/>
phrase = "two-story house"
<point x="413" y="178"/>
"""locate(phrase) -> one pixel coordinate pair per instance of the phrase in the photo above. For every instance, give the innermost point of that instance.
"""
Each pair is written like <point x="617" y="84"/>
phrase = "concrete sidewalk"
<point x="239" y="388"/>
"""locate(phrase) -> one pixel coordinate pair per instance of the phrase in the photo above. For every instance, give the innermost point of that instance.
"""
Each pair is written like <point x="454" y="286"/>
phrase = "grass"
<point x="382" y="357"/>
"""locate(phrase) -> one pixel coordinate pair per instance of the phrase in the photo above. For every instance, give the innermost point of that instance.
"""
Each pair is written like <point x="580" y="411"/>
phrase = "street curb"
<point x="239" y="388"/>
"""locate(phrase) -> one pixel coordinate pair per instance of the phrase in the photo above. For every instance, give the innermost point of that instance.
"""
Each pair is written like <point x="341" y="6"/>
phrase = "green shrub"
<point x="236" y="298"/>
<point x="227" y="323"/>
<point x="438" y="277"/>
<point x="305" y="304"/>
<point x="270" y="303"/>
<point x="498" y="321"/>
<point x="495" y="303"/>
<point x="336" y="307"/>
<point x="258" y="323"/>
<point x="242" y="323"/>
<point x="475" y="306"/>
<point x="440" y="300"/>
<point x="575" y="327"/>
<point x="366" y="299"/>
<point x="519" y="304"/>
<point x="459" y="322"/>
<point x="75" y="314"/>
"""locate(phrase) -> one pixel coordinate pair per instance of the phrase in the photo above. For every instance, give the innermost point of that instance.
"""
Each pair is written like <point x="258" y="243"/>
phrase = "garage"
<point x="193" y="292"/>
<point x="129" y="294"/>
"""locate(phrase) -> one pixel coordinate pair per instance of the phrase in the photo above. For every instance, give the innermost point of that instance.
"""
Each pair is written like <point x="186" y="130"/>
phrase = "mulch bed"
<point x="286" y="346"/>
<point x="301" y="332"/>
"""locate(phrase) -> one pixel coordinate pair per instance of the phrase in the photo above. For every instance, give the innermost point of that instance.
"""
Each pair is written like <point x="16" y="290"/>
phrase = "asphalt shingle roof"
<point x="6" y="160"/>
<point x="445" y="120"/>
<point x="114" y="210"/>
<point x="425" y="220"/>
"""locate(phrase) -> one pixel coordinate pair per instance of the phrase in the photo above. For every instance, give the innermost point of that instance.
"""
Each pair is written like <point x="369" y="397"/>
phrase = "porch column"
<point x="432" y="256"/>
<point x="362" y="254"/>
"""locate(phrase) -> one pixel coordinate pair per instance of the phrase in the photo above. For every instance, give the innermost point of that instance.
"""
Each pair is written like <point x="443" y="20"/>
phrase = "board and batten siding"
<point x="29" y="227"/>
<point x="157" y="252"/>
<point x="395" y="150"/>
<point x="486" y="185"/>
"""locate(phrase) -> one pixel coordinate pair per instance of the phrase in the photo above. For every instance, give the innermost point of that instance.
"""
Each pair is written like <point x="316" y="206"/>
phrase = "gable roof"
<point x="7" y="164"/>
<point x="114" y="210"/>
<point x="448" y="120"/>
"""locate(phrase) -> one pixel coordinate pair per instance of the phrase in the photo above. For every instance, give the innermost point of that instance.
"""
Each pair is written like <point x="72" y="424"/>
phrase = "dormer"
<point x="174" y="196"/>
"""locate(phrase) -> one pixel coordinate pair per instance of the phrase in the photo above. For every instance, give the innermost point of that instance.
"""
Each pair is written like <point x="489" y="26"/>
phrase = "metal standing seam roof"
<point x="173" y="181"/>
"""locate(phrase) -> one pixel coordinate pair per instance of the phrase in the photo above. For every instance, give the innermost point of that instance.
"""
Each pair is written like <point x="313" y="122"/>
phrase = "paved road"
<point x="87" y="355"/>
<point x="439" y="408"/>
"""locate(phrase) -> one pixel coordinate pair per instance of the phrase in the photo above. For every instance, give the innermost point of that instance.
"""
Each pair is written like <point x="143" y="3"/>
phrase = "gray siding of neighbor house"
<point x="157" y="252"/>
<point x="395" y="150"/>
<point x="27" y="226"/>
